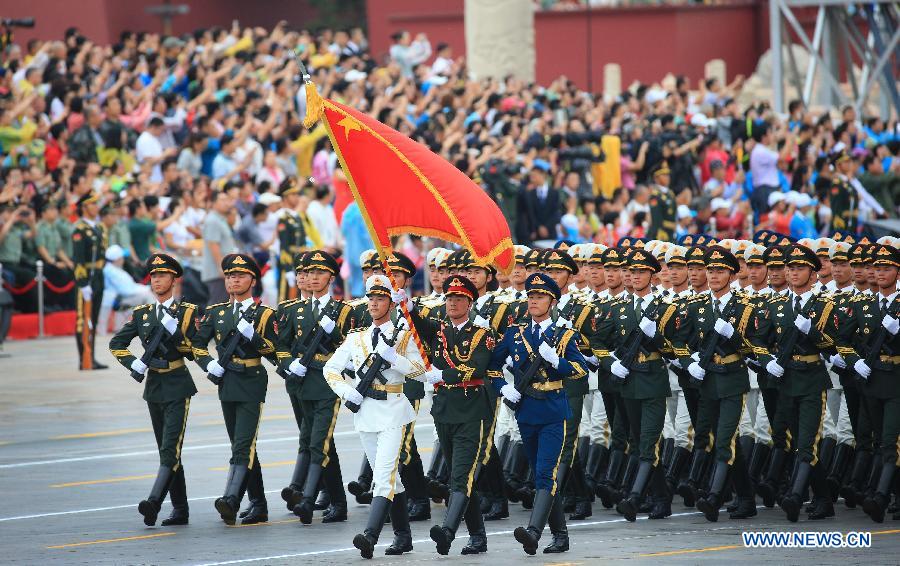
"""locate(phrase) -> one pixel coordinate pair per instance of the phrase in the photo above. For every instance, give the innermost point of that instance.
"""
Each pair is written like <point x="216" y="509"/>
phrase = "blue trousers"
<point x="543" y="445"/>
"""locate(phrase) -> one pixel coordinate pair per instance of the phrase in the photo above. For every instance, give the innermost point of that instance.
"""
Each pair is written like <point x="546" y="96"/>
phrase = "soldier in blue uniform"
<point x="542" y="407"/>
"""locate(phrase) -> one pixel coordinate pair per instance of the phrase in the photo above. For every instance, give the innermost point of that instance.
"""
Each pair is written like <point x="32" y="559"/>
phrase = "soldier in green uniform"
<point x="88" y="253"/>
<point x="791" y="332"/>
<point x="248" y="328"/>
<point x="713" y="326"/>
<point x="662" y="205"/>
<point x="461" y="407"/>
<point x="868" y="342"/>
<point x="646" y="321"/>
<point x="291" y="237"/>
<point x="307" y="388"/>
<point x="169" y="326"/>
<point x="842" y="197"/>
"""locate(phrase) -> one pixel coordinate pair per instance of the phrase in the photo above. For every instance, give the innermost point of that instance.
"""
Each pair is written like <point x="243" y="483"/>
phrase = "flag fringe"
<point x="314" y="106"/>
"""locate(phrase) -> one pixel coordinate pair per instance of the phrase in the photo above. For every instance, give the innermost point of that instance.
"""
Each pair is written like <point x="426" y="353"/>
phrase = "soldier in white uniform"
<point x="384" y="412"/>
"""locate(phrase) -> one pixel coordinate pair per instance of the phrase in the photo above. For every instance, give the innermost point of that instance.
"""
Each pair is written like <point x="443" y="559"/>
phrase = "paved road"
<point x="77" y="454"/>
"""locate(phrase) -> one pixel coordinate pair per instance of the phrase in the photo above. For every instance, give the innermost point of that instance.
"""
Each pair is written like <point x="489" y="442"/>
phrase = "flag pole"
<point x="315" y="107"/>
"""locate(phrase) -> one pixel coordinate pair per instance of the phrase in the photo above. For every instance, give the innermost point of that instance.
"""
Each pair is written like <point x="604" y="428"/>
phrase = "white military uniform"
<point x="594" y="422"/>
<point x="381" y="423"/>
<point x="677" y="424"/>
<point x="754" y="420"/>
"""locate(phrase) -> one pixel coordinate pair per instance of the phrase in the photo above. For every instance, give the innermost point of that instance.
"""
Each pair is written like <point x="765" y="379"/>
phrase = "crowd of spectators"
<point x="188" y="139"/>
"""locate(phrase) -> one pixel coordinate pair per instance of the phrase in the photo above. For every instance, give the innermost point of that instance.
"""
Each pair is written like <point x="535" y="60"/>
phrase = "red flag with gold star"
<point x="403" y="188"/>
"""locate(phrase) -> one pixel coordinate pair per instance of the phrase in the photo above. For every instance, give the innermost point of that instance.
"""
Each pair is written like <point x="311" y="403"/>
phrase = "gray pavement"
<point x="77" y="454"/>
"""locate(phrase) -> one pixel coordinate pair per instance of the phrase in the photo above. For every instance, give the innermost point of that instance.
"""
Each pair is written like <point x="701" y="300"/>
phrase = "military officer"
<point x="842" y="198"/>
<point x="384" y="412"/>
<point x="712" y="326"/>
<point x="542" y="406"/>
<point x="461" y="408"/>
<point x="662" y="205"/>
<point x="791" y="333"/>
<point x="872" y="322"/>
<point x="88" y="253"/>
<point x="248" y="328"/>
<point x="291" y="237"/>
<point x="168" y="388"/>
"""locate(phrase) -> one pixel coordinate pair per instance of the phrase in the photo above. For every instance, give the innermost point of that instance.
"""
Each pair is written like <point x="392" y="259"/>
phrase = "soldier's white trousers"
<point x="594" y="423"/>
<point x="383" y="452"/>
<point x="837" y="419"/>
<point x="677" y="423"/>
<point x="754" y="421"/>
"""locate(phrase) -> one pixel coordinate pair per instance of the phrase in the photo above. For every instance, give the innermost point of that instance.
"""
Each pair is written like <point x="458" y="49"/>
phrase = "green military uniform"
<point x="463" y="413"/>
<point x="870" y="321"/>
<point x="168" y="387"/>
<point x="842" y="199"/>
<point x="66" y="230"/>
<point x="314" y="402"/>
<point x="291" y="240"/>
<point x="801" y="385"/>
<point x="49" y="238"/>
<point x="662" y="208"/>
<point x="88" y="255"/>
<point x="242" y="381"/>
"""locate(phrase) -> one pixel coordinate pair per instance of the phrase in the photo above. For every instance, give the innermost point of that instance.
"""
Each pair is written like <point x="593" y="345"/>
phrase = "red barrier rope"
<point x="31" y="284"/>
<point x="60" y="290"/>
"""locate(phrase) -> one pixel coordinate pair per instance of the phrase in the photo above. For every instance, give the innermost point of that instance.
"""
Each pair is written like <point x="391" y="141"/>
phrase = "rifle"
<point x="314" y="344"/>
<point x="635" y="338"/>
<point x="154" y="345"/>
<point x="711" y="342"/>
<point x="231" y="344"/>
<point x="524" y="378"/>
<point x="788" y="343"/>
<point x="373" y="365"/>
<point x="484" y="308"/>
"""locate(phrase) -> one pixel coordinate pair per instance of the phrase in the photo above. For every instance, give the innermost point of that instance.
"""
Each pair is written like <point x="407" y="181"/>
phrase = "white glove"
<point x="838" y="360"/>
<point x="862" y="369"/>
<point x="696" y="371"/>
<point x="775" y="369"/>
<point x="387" y="353"/>
<point x="138" y="366"/>
<point x="215" y="369"/>
<point x="563" y="322"/>
<point x="87" y="292"/>
<point x="509" y="392"/>
<point x="170" y="323"/>
<point x="434" y="376"/>
<point x="481" y="321"/>
<point x="354" y="396"/>
<point x="677" y="363"/>
<point x="695" y="356"/>
<point x="327" y="324"/>
<point x="592" y="360"/>
<point x="246" y="329"/>
<point x="724" y="328"/>
<point x="803" y="324"/>
<point x="291" y="278"/>
<point x="548" y="352"/>
<point x="619" y="370"/>
<point x="398" y="295"/>
<point x="648" y="327"/>
<point x="297" y="368"/>
<point x="890" y="324"/>
<point x="509" y="361"/>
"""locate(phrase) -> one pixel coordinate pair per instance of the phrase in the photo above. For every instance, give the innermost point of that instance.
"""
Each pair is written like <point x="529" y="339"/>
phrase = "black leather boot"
<point x="178" y="497"/>
<point x="793" y="501"/>
<point x="608" y="485"/>
<point x="876" y="504"/>
<point x="400" y="522"/>
<point x="768" y="487"/>
<point x="557" y="523"/>
<point x="334" y="484"/>
<point x="596" y="454"/>
<point x="367" y="540"/>
<point x="294" y="491"/>
<point x="858" y="476"/>
<point x="258" y="512"/>
<point x="668" y="450"/>
<point x="687" y="488"/>
<point x="363" y="482"/>
<point x="150" y="507"/>
<point x="758" y="459"/>
<point x="490" y="477"/>
<point x="680" y="457"/>
<point x="530" y="536"/>
<point x="514" y="470"/>
<point x="443" y="535"/>
<point x="413" y="477"/>
<point x="839" y="463"/>
<point x="631" y="469"/>
<point x="307" y="504"/>
<point x="323" y="500"/>
<point x="230" y="503"/>
<point x="822" y="506"/>
<point x="578" y="485"/>
<point x="745" y="500"/>
<point x="629" y="506"/>
<point x="710" y="505"/>
<point x="661" y="501"/>
<point x="475" y="525"/>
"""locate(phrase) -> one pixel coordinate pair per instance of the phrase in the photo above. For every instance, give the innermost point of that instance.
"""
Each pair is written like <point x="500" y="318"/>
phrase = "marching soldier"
<point x="319" y="322"/>
<point x="662" y="205"/>
<point x="309" y="330"/>
<point x="291" y="237"/>
<point x="542" y="406"/>
<point x="461" y="408"/>
<point x="167" y="326"/>
<point x="88" y="253"/>
<point x="645" y="322"/>
<point x="868" y="343"/>
<point x="245" y="333"/>
<point x="791" y="332"/>
<point x="383" y="411"/>
<point x="713" y="326"/>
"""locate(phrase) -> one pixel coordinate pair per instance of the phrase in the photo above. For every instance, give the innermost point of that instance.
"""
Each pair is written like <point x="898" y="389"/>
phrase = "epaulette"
<point x="210" y="307"/>
<point x="778" y="298"/>
<point x="187" y="304"/>
<point x="697" y="297"/>
<point x="357" y="302"/>
<point x="288" y="302"/>
<point x="147" y="306"/>
<point x="860" y="297"/>
<point x="355" y="330"/>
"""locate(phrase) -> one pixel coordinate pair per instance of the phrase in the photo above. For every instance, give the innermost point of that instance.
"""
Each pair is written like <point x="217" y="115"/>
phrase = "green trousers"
<point x="798" y="425"/>
<point x="885" y="417"/>
<point x="317" y="432"/>
<point x="242" y="423"/>
<point x="722" y="416"/>
<point x="645" y="424"/>
<point x="463" y="445"/>
<point x="169" y="423"/>
<point x="576" y="402"/>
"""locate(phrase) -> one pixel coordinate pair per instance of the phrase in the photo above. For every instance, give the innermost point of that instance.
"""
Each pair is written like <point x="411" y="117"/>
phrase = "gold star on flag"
<point x="349" y="124"/>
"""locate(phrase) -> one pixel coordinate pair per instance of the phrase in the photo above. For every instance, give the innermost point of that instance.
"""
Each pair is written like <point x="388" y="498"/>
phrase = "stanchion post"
<point x="712" y="227"/>
<point x="40" y="286"/>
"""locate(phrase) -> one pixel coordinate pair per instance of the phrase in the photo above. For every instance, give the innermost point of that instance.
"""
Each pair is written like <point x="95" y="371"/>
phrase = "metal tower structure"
<point x="865" y="35"/>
